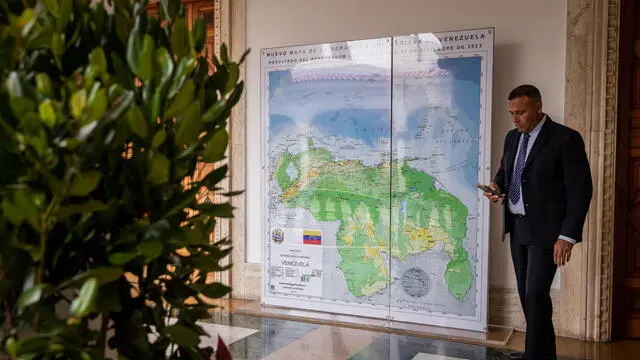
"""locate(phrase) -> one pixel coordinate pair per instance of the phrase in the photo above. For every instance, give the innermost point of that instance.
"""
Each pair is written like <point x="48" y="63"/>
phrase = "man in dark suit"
<point x="545" y="186"/>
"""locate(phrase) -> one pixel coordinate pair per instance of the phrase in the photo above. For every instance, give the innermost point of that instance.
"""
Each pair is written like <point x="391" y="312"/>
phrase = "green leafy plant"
<point x="103" y="116"/>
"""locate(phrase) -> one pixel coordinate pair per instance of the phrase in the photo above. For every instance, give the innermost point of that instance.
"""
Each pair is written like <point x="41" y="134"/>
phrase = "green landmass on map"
<point x="358" y="196"/>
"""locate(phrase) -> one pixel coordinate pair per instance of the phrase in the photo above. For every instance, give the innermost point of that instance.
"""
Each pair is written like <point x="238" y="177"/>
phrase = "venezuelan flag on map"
<point x="312" y="237"/>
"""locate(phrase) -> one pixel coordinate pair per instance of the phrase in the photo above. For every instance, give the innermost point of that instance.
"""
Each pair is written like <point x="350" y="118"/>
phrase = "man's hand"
<point x="492" y="197"/>
<point x="562" y="252"/>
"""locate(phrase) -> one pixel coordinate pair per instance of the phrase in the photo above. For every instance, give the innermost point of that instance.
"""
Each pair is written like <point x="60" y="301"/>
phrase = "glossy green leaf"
<point x="189" y="125"/>
<point x="145" y="59"/>
<point x="185" y="67"/>
<point x="23" y="204"/>
<point x="30" y="347"/>
<point x="66" y="7"/>
<point x="233" y="193"/>
<point x="121" y="132"/>
<point x="11" y="347"/>
<point x="43" y="84"/>
<point x="115" y="91"/>
<point x="214" y="177"/>
<point x="182" y="101"/>
<point x="86" y="131"/>
<point x="38" y="36"/>
<point x="199" y="32"/>
<point x="14" y="85"/>
<point x="121" y="71"/>
<point x="123" y="25"/>
<point x="186" y="153"/>
<point x="221" y="109"/>
<point x="134" y="46"/>
<point x="31" y="296"/>
<point x="119" y="106"/>
<point x="205" y="263"/>
<point x="136" y="121"/>
<point x="215" y="291"/>
<point x="147" y="91"/>
<point x="157" y="104"/>
<point x="21" y="107"/>
<point x="83" y="304"/>
<point x="244" y="56"/>
<point x="180" y="38"/>
<point x="37" y="136"/>
<point x="158" y="139"/>
<point x="84" y="183"/>
<point x="122" y="258"/>
<point x="97" y="104"/>
<point x="183" y="335"/>
<point x="12" y="212"/>
<point x="53" y="7"/>
<point x="150" y="249"/>
<point x="98" y="61"/>
<point x="56" y="348"/>
<point x="224" y="54"/>
<point x="66" y="211"/>
<point x="78" y="103"/>
<point x="224" y="210"/>
<point x="57" y="44"/>
<point x="179" y="202"/>
<point x="166" y="66"/>
<point x="104" y="275"/>
<point x="165" y="62"/>
<point x="170" y="8"/>
<point x="234" y="75"/>
<point x="216" y="147"/>
<point x="22" y="22"/>
<point x="193" y="237"/>
<point x="47" y="113"/>
<point x="179" y="290"/>
<point x="158" y="169"/>
<point x="157" y="231"/>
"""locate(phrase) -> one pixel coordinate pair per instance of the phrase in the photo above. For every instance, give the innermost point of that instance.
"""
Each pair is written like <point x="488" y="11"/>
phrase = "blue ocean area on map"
<point x="370" y="124"/>
<point x="465" y="98"/>
<point x="366" y="125"/>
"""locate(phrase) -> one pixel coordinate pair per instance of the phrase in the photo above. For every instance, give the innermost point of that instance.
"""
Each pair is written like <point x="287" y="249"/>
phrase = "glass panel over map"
<point x="372" y="152"/>
<point x="437" y="121"/>
<point x="328" y="179"/>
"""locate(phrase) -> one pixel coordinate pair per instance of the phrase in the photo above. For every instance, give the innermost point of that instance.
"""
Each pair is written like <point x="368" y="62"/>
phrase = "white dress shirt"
<point x="518" y="207"/>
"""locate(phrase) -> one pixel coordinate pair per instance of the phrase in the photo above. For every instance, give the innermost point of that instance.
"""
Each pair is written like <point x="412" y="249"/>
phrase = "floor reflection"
<point x="253" y="336"/>
<point x="281" y="339"/>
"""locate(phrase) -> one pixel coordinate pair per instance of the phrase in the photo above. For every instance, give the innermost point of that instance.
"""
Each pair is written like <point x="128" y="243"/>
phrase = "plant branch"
<point x="53" y="206"/>
<point x="44" y="232"/>
<point x="104" y="326"/>
<point x="63" y="296"/>
<point x="8" y="314"/>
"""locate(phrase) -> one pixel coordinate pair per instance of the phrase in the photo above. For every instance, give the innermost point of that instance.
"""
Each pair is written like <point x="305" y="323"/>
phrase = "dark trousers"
<point x="535" y="269"/>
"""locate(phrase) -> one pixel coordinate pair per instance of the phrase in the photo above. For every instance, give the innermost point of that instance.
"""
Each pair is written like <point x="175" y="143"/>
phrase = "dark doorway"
<point x="626" y="272"/>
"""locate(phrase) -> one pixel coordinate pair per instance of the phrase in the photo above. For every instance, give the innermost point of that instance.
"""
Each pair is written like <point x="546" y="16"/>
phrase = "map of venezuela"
<point x="390" y="208"/>
<point x="371" y="152"/>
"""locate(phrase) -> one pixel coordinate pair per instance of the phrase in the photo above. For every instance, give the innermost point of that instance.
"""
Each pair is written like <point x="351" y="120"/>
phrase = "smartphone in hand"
<point x="487" y="189"/>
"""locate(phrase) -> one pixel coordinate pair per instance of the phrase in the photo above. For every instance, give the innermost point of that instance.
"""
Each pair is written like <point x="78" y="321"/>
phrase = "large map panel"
<point x="440" y="140"/>
<point x="373" y="150"/>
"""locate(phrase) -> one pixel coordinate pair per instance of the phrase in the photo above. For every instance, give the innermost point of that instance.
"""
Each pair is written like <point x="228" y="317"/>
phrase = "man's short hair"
<point x="529" y="91"/>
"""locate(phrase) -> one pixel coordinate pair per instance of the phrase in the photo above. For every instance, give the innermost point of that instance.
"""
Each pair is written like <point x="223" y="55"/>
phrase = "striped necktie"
<point x="514" y="189"/>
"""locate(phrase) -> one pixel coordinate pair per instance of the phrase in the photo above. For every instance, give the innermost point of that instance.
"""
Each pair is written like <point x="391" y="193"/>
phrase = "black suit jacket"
<point x="556" y="183"/>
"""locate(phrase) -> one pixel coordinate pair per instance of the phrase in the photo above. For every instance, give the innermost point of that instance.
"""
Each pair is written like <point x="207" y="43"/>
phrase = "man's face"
<point x="525" y="113"/>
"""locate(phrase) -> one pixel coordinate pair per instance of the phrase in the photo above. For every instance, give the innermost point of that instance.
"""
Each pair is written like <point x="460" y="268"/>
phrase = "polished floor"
<point x="257" y="337"/>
